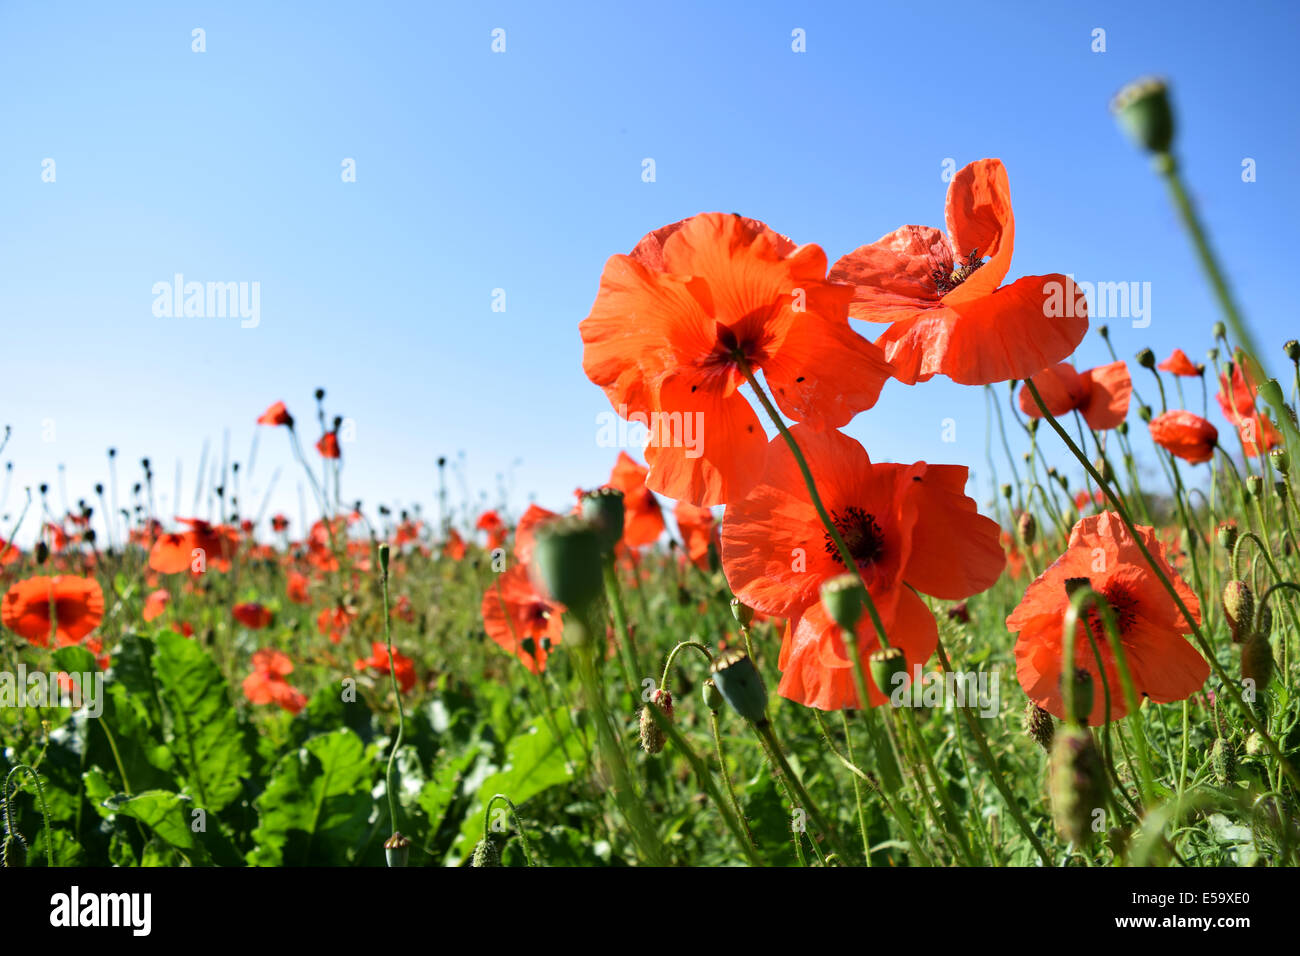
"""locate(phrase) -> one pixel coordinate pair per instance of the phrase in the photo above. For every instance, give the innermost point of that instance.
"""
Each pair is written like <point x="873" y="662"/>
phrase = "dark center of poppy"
<point x="538" y="615"/>
<point x="948" y="275"/>
<point x="1122" y="603"/>
<point x="861" y="534"/>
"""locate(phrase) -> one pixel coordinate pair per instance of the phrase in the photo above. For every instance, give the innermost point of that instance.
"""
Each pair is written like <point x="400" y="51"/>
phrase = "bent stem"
<point x="519" y="826"/>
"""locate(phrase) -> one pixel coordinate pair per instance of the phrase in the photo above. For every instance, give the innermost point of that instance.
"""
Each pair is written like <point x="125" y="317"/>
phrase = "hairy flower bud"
<point x="652" y="737"/>
<point x="1077" y="782"/>
<point x="1239" y="610"/>
<point x="1028" y="528"/>
<point x="1257" y="661"/>
<point x="486" y="854"/>
<point x="1039" y="725"/>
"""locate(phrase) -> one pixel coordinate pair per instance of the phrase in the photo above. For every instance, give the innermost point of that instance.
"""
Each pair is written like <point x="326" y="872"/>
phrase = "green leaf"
<point x="164" y="812"/>
<point x="205" y="732"/>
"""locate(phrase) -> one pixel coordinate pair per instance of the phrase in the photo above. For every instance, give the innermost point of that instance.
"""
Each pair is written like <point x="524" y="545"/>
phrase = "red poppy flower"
<point x="1186" y="435"/>
<point x="279" y="523"/>
<point x="519" y="619"/>
<point x="643" y="519"/>
<point x="454" y="546"/>
<point x="1101" y="395"/>
<point x="491" y="522"/>
<point x="942" y="295"/>
<point x="277" y="414"/>
<point x="1237" y="398"/>
<point x="526" y="531"/>
<point x="76" y="605"/>
<point x="295" y="588"/>
<point x="1084" y="498"/>
<point x="252" y="615"/>
<point x="267" y="684"/>
<point x="1179" y="364"/>
<point x="671" y="322"/>
<point x="335" y="622"/>
<point x="328" y="446"/>
<point x="907" y="526"/>
<point x="378" y="661"/>
<point x="402" y="610"/>
<point x="9" y="553"/>
<point x="57" y="538"/>
<point x="1164" y="666"/>
<point x="155" y="604"/>
<point x="699" y="531"/>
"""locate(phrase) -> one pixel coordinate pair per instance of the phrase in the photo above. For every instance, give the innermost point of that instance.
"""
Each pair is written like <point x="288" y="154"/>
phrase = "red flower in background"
<point x="335" y="622"/>
<point x="907" y="527"/>
<point x="674" y="322"/>
<point x="1185" y="435"/>
<point x="643" y="519"/>
<point x="404" y="667"/>
<point x="699" y="531"/>
<point x="1237" y="400"/>
<point x="267" y="684"/>
<point x="328" y="446"/>
<point x="295" y="587"/>
<point x="526" y="531"/>
<point x="1164" y="666"/>
<point x="519" y="619"/>
<point x="942" y="295"/>
<point x="252" y="615"/>
<point x="277" y="414"/>
<point x="155" y="604"/>
<point x="1179" y="364"/>
<point x="454" y="546"/>
<point x="70" y="607"/>
<point x="490" y="522"/>
<point x="1101" y="395"/>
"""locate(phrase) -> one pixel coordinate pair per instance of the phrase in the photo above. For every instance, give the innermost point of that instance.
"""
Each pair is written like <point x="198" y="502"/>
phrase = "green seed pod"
<point x="1146" y="358"/>
<point x="739" y="683"/>
<point x="1281" y="460"/>
<point x="1239" y="610"/>
<point x="1122" y="428"/>
<point x="486" y="854"/>
<point x="886" y="666"/>
<point x="743" y="614"/>
<point x="842" y="596"/>
<point x="603" y="508"/>
<point x="1006" y="492"/>
<point x="1223" y="758"/>
<point x="712" y="696"/>
<point x="1039" y="725"/>
<point x="1027" y="527"/>
<point x="1102" y="465"/>
<point x="1219" y="330"/>
<point x="1143" y="111"/>
<point x="1257" y="661"/>
<point x="1077" y="781"/>
<point x="397" y="850"/>
<point x="1228" y="535"/>
<point x="1292" y="349"/>
<point x="383" y="562"/>
<point x="652" y="737"/>
<point x="1254" y="486"/>
<point x="42" y="552"/>
<point x="1144" y="413"/>
<point x="567" y="561"/>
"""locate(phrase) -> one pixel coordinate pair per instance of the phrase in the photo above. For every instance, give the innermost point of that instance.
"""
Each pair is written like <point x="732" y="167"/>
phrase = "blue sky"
<point x="521" y="171"/>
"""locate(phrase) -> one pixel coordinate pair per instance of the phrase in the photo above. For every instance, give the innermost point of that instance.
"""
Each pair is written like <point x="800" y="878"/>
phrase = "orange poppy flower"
<point x="643" y="519"/>
<point x="671" y="321"/>
<point x="277" y="414"/>
<point x="155" y="604"/>
<point x="1164" y="666"/>
<point x="1186" y="435"/>
<point x="328" y="446"/>
<point x="942" y="295"/>
<point x="252" y="615"/>
<point x="76" y="605"/>
<point x="491" y="522"/>
<point x="1101" y="395"/>
<point x="267" y="684"/>
<point x="907" y="526"/>
<point x="519" y="619"/>
<point x="378" y="661"/>
<point x="1237" y="401"/>
<point x="335" y="622"/>
<point x="295" y="588"/>
<point x="699" y="531"/>
<point x="10" y="553"/>
<point x="1179" y="364"/>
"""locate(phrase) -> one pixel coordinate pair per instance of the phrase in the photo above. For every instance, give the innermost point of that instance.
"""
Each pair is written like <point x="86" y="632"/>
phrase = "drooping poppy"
<point x="643" y="519"/>
<point x="1185" y="435"/>
<point x="1101" y="395"/>
<point x="69" y="607"/>
<point x="1163" y="665"/>
<point x="949" y="314"/>
<point x="252" y="615"/>
<point x="276" y="414"/>
<point x="267" y="684"/>
<point x="403" y="666"/>
<point x="1179" y="364"/>
<point x="906" y="526"/>
<point x="155" y="604"/>
<point x="520" y="620"/>
<point x="328" y="445"/>
<point x="675" y="324"/>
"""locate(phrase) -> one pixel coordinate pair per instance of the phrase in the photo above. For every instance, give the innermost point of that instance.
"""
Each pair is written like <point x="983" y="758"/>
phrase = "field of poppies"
<point x="750" y="650"/>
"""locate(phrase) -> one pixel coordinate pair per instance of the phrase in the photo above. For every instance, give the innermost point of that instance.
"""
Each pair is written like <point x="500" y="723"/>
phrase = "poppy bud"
<point x="1146" y="358"/>
<point x="743" y="613"/>
<point x="42" y="552"/>
<point x="842" y="597"/>
<point x="1254" y="486"/>
<point x="887" y="666"/>
<point x="1103" y="331"/>
<point x="1122" y="428"/>
<point x="1219" y="330"/>
<point x="1223" y="758"/>
<point x="1143" y="111"/>
<point x="740" y="685"/>
<point x="1264" y="621"/>
<point x="1144" y="413"/>
<point x="383" y="558"/>
<point x="1292" y="349"/>
<point x="1028" y="528"/>
<point x="604" y="509"/>
<point x="486" y="854"/>
<point x="1281" y="461"/>
<point x="652" y="737"/>
<point x="1239" y="609"/>
<point x="1255" y="744"/>
<point x="1039" y="725"/>
<point x="397" y="850"/>
<point x="1228" y="535"/>
<point x="1076" y="779"/>
<point x="1103" y="468"/>
<point x="1082" y="695"/>
<point x="1257" y="661"/>
<point x="1006" y="492"/>
<point x="712" y="696"/>
<point x="567" y="561"/>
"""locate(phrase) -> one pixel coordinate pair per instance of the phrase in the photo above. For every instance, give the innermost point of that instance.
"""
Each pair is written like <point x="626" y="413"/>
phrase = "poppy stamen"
<point x="861" y="534"/>
<point x="948" y="275"/>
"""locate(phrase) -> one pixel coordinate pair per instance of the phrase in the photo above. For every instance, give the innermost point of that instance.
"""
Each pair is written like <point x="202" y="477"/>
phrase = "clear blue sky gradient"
<point x="522" y="171"/>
